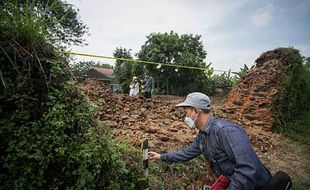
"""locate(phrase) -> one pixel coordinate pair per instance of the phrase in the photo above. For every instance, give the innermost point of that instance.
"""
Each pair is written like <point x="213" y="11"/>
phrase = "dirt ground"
<point x="249" y="104"/>
<point x="133" y="119"/>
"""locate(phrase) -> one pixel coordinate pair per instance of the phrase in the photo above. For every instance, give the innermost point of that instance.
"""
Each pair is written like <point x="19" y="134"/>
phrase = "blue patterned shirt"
<point x="227" y="148"/>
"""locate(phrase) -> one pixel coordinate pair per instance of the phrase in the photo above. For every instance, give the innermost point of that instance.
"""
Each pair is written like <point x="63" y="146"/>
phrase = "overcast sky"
<point x="234" y="32"/>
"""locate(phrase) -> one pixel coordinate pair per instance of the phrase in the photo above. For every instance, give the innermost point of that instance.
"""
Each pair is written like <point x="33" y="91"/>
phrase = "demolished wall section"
<point x="251" y="101"/>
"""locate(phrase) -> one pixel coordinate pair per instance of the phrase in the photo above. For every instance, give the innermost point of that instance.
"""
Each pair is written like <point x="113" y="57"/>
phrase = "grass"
<point x="178" y="176"/>
<point x="298" y="130"/>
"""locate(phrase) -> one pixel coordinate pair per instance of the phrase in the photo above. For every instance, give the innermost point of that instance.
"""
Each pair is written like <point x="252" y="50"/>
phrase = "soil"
<point x="248" y="104"/>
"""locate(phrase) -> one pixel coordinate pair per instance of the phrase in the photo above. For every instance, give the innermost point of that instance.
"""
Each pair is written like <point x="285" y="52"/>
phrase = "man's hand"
<point x="154" y="156"/>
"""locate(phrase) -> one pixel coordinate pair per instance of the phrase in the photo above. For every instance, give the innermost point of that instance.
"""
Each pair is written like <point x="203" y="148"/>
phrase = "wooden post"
<point x="167" y="85"/>
<point x="146" y="159"/>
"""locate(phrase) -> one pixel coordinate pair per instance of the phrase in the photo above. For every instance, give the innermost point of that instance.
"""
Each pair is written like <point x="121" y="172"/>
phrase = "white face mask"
<point x="190" y="122"/>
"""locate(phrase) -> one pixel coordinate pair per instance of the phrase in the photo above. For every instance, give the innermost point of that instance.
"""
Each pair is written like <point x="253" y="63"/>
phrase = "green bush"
<point x="49" y="138"/>
<point x="64" y="148"/>
<point x="294" y="94"/>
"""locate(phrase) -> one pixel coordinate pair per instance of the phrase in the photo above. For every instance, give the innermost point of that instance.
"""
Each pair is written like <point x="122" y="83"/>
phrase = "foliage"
<point x="131" y="175"/>
<point x="223" y="80"/>
<point x="49" y="138"/>
<point x="300" y="185"/>
<point x="58" y="19"/>
<point x="294" y="94"/>
<point x="176" y="176"/>
<point x="125" y="70"/>
<point x="298" y="130"/>
<point x="209" y="71"/>
<point x="172" y="48"/>
<point x="307" y="62"/>
<point x="64" y="148"/>
<point x="243" y="71"/>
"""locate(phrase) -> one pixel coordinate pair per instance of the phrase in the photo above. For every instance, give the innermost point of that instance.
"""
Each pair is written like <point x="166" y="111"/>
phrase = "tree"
<point x="307" y="62"/>
<point x="59" y="20"/>
<point x="223" y="80"/>
<point x="123" y="70"/>
<point x="172" y="48"/>
<point x="243" y="71"/>
<point x="49" y="136"/>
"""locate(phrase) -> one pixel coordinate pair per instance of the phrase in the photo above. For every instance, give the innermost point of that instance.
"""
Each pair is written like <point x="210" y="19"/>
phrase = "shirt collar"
<point x="208" y="125"/>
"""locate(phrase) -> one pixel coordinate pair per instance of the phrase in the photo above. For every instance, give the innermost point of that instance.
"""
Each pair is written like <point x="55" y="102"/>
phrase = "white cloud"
<point x="262" y="16"/>
<point x="127" y="23"/>
<point x="233" y="59"/>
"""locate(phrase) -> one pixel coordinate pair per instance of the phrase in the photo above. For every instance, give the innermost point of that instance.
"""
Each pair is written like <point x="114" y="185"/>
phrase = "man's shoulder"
<point x="224" y="125"/>
<point x="227" y="128"/>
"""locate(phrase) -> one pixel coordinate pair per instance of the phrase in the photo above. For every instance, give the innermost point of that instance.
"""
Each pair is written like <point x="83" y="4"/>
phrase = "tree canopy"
<point x="49" y="136"/>
<point x="123" y="70"/>
<point x="172" y="48"/>
<point x="59" y="21"/>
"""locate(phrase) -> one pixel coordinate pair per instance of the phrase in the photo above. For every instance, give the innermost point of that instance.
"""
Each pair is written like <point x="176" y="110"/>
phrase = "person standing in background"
<point x="134" y="87"/>
<point x="148" y="85"/>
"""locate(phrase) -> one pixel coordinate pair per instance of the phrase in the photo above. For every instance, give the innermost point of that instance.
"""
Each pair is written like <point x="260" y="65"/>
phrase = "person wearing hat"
<point x="134" y="87"/>
<point x="223" y="144"/>
<point x="149" y="86"/>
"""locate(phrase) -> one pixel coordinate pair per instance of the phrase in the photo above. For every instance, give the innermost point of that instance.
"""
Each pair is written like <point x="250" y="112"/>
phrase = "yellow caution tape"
<point x="137" y="60"/>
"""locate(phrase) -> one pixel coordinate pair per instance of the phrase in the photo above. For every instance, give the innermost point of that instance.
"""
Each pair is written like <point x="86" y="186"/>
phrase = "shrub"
<point x="294" y="94"/>
<point x="49" y="138"/>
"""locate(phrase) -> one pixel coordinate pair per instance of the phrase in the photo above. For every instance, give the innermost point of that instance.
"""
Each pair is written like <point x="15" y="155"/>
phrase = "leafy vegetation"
<point x="164" y="176"/>
<point x="172" y="48"/>
<point x="307" y="63"/>
<point x="223" y="80"/>
<point x="57" y="19"/>
<point x="49" y="138"/>
<point x="294" y="94"/>
<point x="298" y="130"/>
<point x="125" y="70"/>
<point x="293" y="107"/>
<point x="243" y="71"/>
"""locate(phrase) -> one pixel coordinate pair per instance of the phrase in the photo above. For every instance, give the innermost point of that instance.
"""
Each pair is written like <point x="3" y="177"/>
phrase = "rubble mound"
<point x="134" y="119"/>
<point x="250" y="102"/>
<point x="93" y="89"/>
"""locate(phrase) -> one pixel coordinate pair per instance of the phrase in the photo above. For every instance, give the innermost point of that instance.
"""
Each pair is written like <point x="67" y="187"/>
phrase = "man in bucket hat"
<point x="223" y="144"/>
